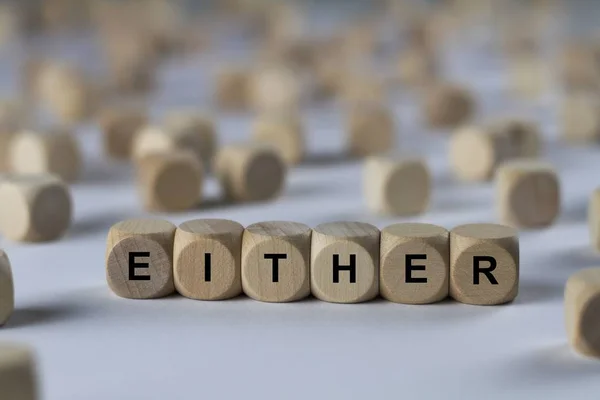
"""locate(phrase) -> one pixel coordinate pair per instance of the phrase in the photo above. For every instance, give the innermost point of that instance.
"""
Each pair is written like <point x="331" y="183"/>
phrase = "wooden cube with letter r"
<point x="484" y="264"/>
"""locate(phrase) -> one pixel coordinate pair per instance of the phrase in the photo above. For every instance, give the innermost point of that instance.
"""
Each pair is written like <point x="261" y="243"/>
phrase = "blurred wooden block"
<point x="12" y="117"/>
<point x="582" y="307"/>
<point x="139" y="258"/>
<point x="371" y="129"/>
<point x="579" y="68"/>
<point x="415" y="264"/>
<point x="361" y="87"/>
<point x="484" y="264"/>
<point x="476" y="151"/>
<point x="345" y="262"/>
<point x="276" y="261"/>
<point x="232" y="89"/>
<point x="527" y="193"/>
<point x="35" y="208"/>
<point x="207" y="259"/>
<point x="195" y="131"/>
<point x="448" y="106"/>
<point x="284" y="132"/>
<point x="276" y="89"/>
<point x="7" y="290"/>
<point x="580" y="118"/>
<point x="529" y="76"/>
<point x="119" y="127"/>
<point x="170" y="181"/>
<point x="250" y="172"/>
<point x="396" y="185"/>
<point x="18" y="375"/>
<point x="594" y="219"/>
<point x="417" y="67"/>
<point x="55" y="151"/>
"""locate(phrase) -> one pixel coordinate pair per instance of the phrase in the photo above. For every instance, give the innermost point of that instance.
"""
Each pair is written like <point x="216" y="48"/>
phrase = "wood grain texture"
<point x="290" y="281"/>
<point x="345" y="241"/>
<point x="35" y="208"/>
<point x="497" y="286"/>
<point x="527" y="193"/>
<point x="371" y="129"/>
<point x="448" y="106"/>
<point x="427" y="281"/>
<point x="7" y="290"/>
<point x="395" y="185"/>
<point x="154" y="236"/>
<point x="250" y="172"/>
<point x="594" y="219"/>
<point x="285" y="132"/>
<point x="55" y="151"/>
<point x="18" y="375"/>
<point x="222" y="240"/>
<point x="170" y="181"/>
<point x="582" y="311"/>
<point x="119" y="127"/>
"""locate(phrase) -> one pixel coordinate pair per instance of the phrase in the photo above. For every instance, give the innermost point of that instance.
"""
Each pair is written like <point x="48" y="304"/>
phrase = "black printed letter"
<point x="486" y="271"/>
<point x="337" y="268"/>
<point x="133" y="265"/>
<point x="410" y="268"/>
<point x="275" y="258"/>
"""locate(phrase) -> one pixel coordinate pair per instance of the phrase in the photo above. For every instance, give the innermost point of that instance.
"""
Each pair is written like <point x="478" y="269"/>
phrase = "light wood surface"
<point x="580" y="118"/>
<point x="582" y="311"/>
<point x="232" y="89"/>
<point x="276" y="261"/>
<point x="55" y="151"/>
<point x="361" y="87"/>
<point x="448" y="106"/>
<point x="396" y="185"/>
<point x="170" y="181"/>
<point x="250" y="172"/>
<point x="484" y="281"/>
<point x="594" y="219"/>
<point x="275" y="88"/>
<point x="12" y="118"/>
<point x="151" y="236"/>
<point x="529" y="76"/>
<point x="35" y="208"/>
<point x="7" y="290"/>
<point x="285" y="132"/>
<point x="371" y="129"/>
<point x="119" y="126"/>
<point x="527" y="193"/>
<point x="195" y="131"/>
<point x="345" y="241"/>
<point x="222" y="240"/>
<point x="18" y="374"/>
<point x="523" y="137"/>
<point x="415" y="265"/>
<point x="417" y="67"/>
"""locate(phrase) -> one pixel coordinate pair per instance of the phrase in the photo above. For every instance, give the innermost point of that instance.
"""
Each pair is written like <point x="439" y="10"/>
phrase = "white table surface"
<point x="93" y="345"/>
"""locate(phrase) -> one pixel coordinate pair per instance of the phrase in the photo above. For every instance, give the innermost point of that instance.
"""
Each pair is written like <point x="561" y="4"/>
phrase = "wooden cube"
<point x="250" y="172"/>
<point x="207" y="259"/>
<point x="345" y="262"/>
<point x="476" y="151"/>
<point x="139" y="258"/>
<point x="18" y="375"/>
<point x="170" y="181"/>
<point x="55" y="152"/>
<point x="529" y="76"/>
<point x="580" y="115"/>
<point x="415" y="265"/>
<point x="582" y="307"/>
<point x="594" y="219"/>
<point x="448" y="106"/>
<point x="35" y="208"/>
<point x="276" y="261"/>
<point x="195" y="131"/>
<point x="284" y="132"/>
<point x="275" y="89"/>
<point x="7" y="290"/>
<point x="361" y="87"/>
<point x="371" y="129"/>
<point x="527" y="193"/>
<point x="417" y="67"/>
<point x="484" y="264"/>
<point x="396" y="185"/>
<point x="232" y="89"/>
<point x="119" y="127"/>
<point x="12" y="117"/>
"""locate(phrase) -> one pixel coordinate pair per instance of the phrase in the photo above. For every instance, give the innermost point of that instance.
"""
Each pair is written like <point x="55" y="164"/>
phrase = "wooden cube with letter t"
<point x="484" y="264"/>
<point x="345" y="262"/>
<point x="139" y="258"/>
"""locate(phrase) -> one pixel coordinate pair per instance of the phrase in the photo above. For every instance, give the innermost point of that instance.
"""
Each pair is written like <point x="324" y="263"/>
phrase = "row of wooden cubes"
<point x="340" y="262"/>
